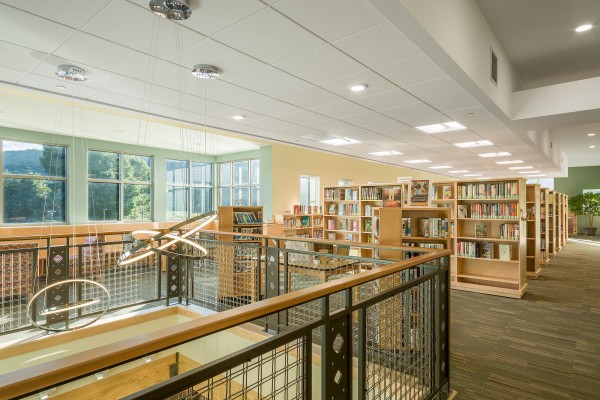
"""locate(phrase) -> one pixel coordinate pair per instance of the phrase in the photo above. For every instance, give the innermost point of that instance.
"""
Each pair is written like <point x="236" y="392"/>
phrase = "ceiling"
<point x="285" y="65"/>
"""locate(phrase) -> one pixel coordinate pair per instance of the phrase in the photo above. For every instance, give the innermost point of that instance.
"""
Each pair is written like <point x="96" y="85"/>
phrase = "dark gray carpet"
<point x="544" y="346"/>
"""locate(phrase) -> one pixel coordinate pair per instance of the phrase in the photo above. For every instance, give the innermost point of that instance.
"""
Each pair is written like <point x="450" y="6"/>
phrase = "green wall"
<point x="77" y="168"/>
<point x="580" y="178"/>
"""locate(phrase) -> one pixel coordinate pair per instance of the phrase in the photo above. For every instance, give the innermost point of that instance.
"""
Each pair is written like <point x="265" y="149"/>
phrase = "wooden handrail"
<point x="30" y="380"/>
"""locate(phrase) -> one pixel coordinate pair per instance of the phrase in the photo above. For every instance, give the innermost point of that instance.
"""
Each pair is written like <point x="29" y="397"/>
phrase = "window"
<point x="239" y="183"/>
<point x="189" y="188"/>
<point x="119" y="187"/>
<point x="309" y="190"/>
<point x="34" y="182"/>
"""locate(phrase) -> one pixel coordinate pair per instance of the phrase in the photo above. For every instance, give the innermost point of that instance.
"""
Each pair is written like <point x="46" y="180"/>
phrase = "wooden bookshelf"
<point x="301" y="225"/>
<point x="565" y="224"/>
<point x="551" y="224"/>
<point x="491" y="245"/>
<point x="444" y="195"/>
<point x="533" y="199"/>
<point x="544" y="227"/>
<point x="238" y="264"/>
<point x="558" y="242"/>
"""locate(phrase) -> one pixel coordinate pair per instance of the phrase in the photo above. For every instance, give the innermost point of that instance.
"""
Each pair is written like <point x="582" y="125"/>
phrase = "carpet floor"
<point x="544" y="346"/>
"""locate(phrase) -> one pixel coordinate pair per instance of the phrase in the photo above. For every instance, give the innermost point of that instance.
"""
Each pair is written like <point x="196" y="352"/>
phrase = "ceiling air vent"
<point x="493" y="67"/>
<point x="171" y="9"/>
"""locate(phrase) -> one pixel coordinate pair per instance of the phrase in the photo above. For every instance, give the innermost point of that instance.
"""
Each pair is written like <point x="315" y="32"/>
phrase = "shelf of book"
<point x="551" y="224"/>
<point x="491" y="237"/>
<point x="544" y="227"/>
<point x="558" y="201"/>
<point x="565" y="219"/>
<point x="533" y="209"/>
<point x="444" y="195"/>
<point x="301" y="225"/>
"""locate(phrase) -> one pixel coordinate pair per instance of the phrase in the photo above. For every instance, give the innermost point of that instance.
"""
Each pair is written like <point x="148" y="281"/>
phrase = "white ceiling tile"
<point x="460" y="137"/>
<point x="268" y="36"/>
<point x="67" y="12"/>
<point x="331" y="19"/>
<point x="302" y="131"/>
<point x="270" y="81"/>
<point x="271" y="107"/>
<point x="366" y="119"/>
<point x="443" y="93"/>
<point x="227" y="93"/>
<point x="230" y="62"/>
<point x="10" y="75"/>
<point x="336" y="128"/>
<point x="408" y="111"/>
<point x="118" y="100"/>
<point x="75" y="89"/>
<point x="379" y="45"/>
<point x="323" y="64"/>
<point x="466" y="114"/>
<point x="303" y="117"/>
<point x="226" y="112"/>
<point x="272" y="124"/>
<point x="444" y="103"/>
<point x="152" y="34"/>
<point x="375" y="84"/>
<point x="106" y="55"/>
<point x="19" y="58"/>
<point x="388" y="128"/>
<point x="310" y="97"/>
<point x="410" y="71"/>
<point x="385" y="100"/>
<point x="166" y="74"/>
<point x="339" y="110"/>
<point x="429" y="119"/>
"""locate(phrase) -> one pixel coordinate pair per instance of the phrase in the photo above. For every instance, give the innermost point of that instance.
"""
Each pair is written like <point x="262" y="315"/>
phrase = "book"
<point x="332" y="209"/>
<point x="487" y="250"/>
<point x="462" y="211"/>
<point x="392" y="196"/>
<point x="355" y="225"/>
<point x="420" y="192"/>
<point x="480" y="230"/>
<point x="368" y="225"/>
<point x="446" y="192"/>
<point x="505" y="251"/>
<point x="331" y="224"/>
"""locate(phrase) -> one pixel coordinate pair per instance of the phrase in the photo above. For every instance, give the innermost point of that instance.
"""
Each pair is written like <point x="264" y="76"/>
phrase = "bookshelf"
<point x="301" y="225"/>
<point x="238" y="264"/>
<point x="551" y="224"/>
<point x="491" y="240"/>
<point x="565" y="223"/>
<point x="558" y="201"/>
<point x="533" y="200"/>
<point x="444" y="195"/>
<point x="544" y="227"/>
<point x="341" y="213"/>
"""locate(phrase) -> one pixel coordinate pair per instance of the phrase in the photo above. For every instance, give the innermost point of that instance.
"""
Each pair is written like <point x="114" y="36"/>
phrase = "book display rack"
<point x="534" y="256"/>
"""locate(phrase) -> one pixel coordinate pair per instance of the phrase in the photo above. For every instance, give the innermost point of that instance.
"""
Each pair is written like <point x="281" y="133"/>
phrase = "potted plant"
<point x="587" y="204"/>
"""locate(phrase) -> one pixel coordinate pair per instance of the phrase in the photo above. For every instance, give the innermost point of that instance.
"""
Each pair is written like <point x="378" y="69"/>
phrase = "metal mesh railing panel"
<point x="16" y="280"/>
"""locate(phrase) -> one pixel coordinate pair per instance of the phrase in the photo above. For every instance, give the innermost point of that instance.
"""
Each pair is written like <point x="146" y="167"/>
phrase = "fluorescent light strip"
<point x="443" y="127"/>
<point x="536" y="176"/>
<point x="510" y="162"/>
<point x="529" y="172"/>
<point x="385" y="153"/>
<point x="498" y="154"/>
<point x="441" y="167"/>
<point x="472" y="175"/>
<point x="478" y="143"/>
<point x="421" y="161"/>
<point x="459" y="171"/>
<point x="528" y="167"/>
<point x="340" y="141"/>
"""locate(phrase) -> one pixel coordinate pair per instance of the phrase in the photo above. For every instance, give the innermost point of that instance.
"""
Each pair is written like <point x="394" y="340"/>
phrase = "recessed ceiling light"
<point x="359" y="87"/>
<point x="385" y="153"/>
<point x="440" y="128"/>
<point x="583" y="28"/>
<point x="510" y="162"/>
<point x="498" y="154"/>
<point x="527" y="167"/>
<point x="478" y="143"/>
<point x="238" y="117"/>
<point x="529" y="172"/>
<point x="441" y="167"/>
<point x="459" y="171"/>
<point x="340" y="141"/>
<point x="472" y="175"/>
<point x="205" y="71"/>
<point x="591" y="134"/>
<point x="71" y="73"/>
<point x="592" y="147"/>
<point x="421" y="161"/>
<point x="60" y="87"/>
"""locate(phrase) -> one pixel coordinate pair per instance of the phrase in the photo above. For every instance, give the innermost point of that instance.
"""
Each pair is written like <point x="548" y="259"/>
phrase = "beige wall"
<point x="290" y="162"/>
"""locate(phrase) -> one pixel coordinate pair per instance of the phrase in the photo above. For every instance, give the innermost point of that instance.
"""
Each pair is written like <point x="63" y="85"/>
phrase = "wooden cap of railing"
<point x="33" y="379"/>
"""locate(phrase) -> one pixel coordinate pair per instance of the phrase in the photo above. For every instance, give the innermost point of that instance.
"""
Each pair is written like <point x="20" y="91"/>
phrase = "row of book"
<point x="257" y="230"/>
<point x="489" y="210"/>
<point x="370" y="193"/>
<point x="498" y="190"/>
<point x="344" y="209"/>
<point x="341" y="194"/>
<point x="303" y="209"/>
<point x="368" y="225"/>
<point x="509" y="231"/>
<point x="433" y="227"/>
<point x="483" y="250"/>
<point x="343" y="225"/>
<point x="245" y="217"/>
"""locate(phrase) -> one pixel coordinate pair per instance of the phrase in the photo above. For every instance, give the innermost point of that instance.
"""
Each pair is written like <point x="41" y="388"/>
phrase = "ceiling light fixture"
<point x="238" y="117"/>
<point x="441" y="167"/>
<point x="591" y="134"/>
<point x="359" y="87"/>
<point x="443" y="127"/>
<point x="171" y="9"/>
<point x="205" y="71"/>
<point x="537" y="176"/>
<point x="60" y="87"/>
<point x="385" y="153"/>
<point x="71" y="73"/>
<point x="340" y="141"/>
<point x="592" y="147"/>
<point x="529" y="172"/>
<point x="472" y="175"/>
<point x="583" y="28"/>
<point x="498" y="154"/>
<point x="527" y="167"/>
<point x="510" y="162"/>
<point x="459" y="171"/>
<point x="421" y="161"/>
<point x="478" y="143"/>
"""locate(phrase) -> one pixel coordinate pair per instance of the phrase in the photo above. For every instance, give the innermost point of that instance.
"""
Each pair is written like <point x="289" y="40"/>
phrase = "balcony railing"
<point x="378" y="314"/>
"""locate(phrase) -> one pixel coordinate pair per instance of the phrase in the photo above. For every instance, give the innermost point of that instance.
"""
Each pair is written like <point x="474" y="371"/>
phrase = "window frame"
<point x="65" y="179"/>
<point x="190" y="186"/>
<point x="317" y="183"/>
<point x="121" y="182"/>
<point x="232" y="186"/>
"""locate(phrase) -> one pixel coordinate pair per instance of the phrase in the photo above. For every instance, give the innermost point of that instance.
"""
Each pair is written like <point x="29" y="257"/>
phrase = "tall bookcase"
<point x="491" y="239"/>
<point x="444" y="195"/>
<point x="533" y="201"/>
<point x="558" y="200"/>
<point x="238" y="265"/>
<point x="544" y="227"/>
<point x="565" y="224"/>
<point x="551" y="224"/>
<point x="301" y="225"/>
